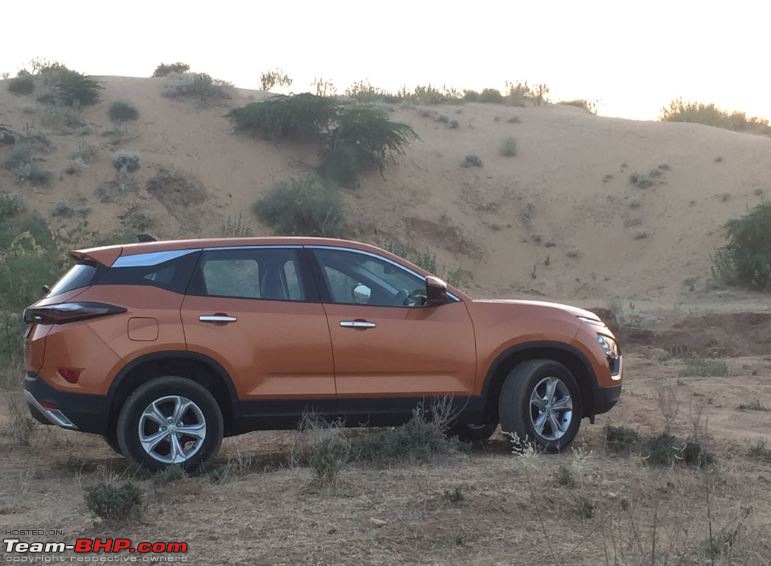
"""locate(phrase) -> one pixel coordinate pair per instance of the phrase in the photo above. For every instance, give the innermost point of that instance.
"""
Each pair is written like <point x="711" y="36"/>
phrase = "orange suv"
<point x="165" y="347"/>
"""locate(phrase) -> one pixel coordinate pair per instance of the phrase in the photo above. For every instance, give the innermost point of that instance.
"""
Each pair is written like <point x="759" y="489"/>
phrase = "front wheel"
<point x="540" y="402"/>
<point x="170" y="421"/>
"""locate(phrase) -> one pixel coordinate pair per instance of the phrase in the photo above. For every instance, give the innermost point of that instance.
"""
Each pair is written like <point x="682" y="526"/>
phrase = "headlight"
<point x="608" y="346"/>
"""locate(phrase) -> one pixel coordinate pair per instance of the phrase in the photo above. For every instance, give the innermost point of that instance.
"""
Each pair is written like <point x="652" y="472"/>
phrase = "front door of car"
<point x="251" y="310"/>
<point x="386" y="342"/>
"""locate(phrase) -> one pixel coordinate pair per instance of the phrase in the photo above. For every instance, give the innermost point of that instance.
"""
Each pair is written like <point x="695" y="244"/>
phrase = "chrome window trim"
<point x="255" y="247"/>
<point x="149" y="259"/>
<point x="381" y="258"/>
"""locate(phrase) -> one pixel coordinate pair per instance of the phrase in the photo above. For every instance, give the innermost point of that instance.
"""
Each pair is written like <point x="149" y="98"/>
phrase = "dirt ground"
<point x="511" y="509"/>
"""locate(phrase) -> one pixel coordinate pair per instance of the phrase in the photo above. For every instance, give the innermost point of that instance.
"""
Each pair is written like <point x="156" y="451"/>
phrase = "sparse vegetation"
<point x="271" y="79"/>
<point x="753" y="405"/>
<point x="565" y="476"/>
<point x="622" y="440"/>
<point x="164" y="70"/>
<point x="306" y="206"/>
<point x="697" y="367"/>
<point x="508" y="147"/>
<point x="589" y="106"/>
<point x="759" y="450"/>
<point x="745" y="260"/>
<point x="642" y="180"/>
<point x="122" y="111"/>
<point x="199" y="87"/>
<point x="711" y="115"/>
<point x="26" y="164"/>
<point x="113" y="499"/>
<point x="471" y="160"/>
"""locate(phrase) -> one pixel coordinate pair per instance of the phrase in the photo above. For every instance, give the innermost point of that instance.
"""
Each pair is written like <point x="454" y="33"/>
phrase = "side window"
<point x="250" y="273"/>
<point x="358" y="278"/>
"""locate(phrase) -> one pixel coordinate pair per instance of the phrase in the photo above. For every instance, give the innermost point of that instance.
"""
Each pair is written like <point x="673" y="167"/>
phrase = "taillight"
<point x="68" y="312"/>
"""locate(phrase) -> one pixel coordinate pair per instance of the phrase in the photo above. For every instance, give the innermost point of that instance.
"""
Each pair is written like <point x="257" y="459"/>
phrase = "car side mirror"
<point x="436" y="291"/>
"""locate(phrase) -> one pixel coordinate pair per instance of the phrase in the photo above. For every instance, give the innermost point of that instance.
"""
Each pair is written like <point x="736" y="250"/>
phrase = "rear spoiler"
<point x="105" y="255"/>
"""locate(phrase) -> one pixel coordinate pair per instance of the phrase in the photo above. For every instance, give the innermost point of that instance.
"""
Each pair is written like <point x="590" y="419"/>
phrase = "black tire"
<point x="473" y="433"/>
<point x="112" y="441"/>
<point x="517" y="416"/>
<point x="157" y="389"/>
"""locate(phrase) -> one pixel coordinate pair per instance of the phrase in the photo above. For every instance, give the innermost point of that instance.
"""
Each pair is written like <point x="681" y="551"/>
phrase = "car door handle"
<point x="217" y="318"/>
<point x="363" y="324"/>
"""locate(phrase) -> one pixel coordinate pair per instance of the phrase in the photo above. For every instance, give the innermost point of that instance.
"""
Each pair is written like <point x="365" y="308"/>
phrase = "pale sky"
<point x="631" y="57"/>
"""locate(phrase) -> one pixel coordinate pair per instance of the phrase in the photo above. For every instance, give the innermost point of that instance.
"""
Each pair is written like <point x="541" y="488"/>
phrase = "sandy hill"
<point x="561" y="219"/>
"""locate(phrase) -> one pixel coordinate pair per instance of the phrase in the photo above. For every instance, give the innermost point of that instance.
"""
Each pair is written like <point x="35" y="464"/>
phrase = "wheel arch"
<point x="200" y="368"/>
<point x="569" y="356"/>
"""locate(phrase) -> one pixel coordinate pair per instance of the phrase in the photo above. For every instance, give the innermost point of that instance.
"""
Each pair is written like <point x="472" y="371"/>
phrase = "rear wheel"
<point x="540" y="402"/>
<point x="170" y="421"/>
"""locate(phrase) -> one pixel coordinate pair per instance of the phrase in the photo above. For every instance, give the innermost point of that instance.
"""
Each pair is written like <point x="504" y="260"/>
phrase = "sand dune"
<point x="561" y="219"/>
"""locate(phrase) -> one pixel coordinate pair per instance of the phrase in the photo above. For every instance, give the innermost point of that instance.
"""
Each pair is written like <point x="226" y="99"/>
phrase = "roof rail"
<point x="142" y="238"/>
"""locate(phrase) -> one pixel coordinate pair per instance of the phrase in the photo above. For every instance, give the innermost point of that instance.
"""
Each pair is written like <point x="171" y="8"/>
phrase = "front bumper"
<point x="73" y="411"/>
<point x="605" y="398"/>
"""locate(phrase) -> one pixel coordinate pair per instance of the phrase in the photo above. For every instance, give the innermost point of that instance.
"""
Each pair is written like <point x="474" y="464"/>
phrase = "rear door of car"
<point x="255" y="311"/>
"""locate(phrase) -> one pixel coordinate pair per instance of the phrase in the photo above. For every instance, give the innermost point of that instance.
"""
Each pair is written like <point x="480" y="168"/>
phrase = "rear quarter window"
<point x="173" y="274"/>
<point x="80" y="275"/>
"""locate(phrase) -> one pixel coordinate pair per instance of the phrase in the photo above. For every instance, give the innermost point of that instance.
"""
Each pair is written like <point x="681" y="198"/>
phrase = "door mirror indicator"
<point x="436" y="291"/>
<point x="361" y="294"/>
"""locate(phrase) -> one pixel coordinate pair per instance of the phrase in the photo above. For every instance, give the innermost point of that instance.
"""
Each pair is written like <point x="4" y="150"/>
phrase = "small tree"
<point x="271" y="79"/>
<point x="363" y="138"/>
<point x="746" y="259"/>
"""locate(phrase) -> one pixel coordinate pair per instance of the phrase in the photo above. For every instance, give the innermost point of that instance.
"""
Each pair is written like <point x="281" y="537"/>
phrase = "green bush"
<point x="746" y="259"/>
<point x="471" y="96"/>
<point x="704" y="368"/>
<point x="298" y="116"/>
<point x="363" y="138"/>
<point x="23" y="162"/>
<point x="122" y="111"/>
<point x="11" y="205"/>
<point x="420" y="439"/>
<point x="200" y="87"/>
<point x="508" y="147"/>
<point x="302" y="206"/>
<point x="711" y="115"/>
<point x="622" y="439"/>
<point x="23" y="84"/>
<point x="163" y="69"/>
<point x="491" y="95"/>
<point x="471" y="160"/>
<point x="114" y="500"/>
<point x="69" y="87"/>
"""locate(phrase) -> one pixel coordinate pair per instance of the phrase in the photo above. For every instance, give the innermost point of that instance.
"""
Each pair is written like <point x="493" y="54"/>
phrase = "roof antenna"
<point x="143" y="238"/>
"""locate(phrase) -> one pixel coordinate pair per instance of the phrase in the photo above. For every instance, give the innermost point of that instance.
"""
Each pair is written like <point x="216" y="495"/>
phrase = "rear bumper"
<point x="73" y="411"/>
<point x="605" y="398"/>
